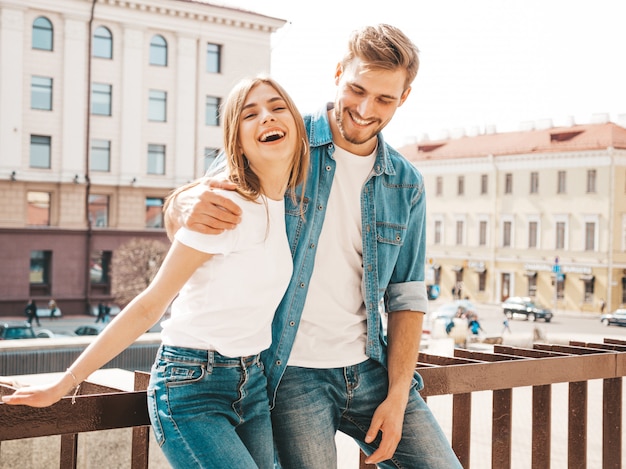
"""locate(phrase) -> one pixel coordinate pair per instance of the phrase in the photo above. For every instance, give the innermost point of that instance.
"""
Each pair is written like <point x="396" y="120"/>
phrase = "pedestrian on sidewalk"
<point x="52" y="306"/>
<point x="31" y="312"/>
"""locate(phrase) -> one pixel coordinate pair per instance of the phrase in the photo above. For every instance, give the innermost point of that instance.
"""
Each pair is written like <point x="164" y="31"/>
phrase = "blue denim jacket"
<point x="393" y="212"/>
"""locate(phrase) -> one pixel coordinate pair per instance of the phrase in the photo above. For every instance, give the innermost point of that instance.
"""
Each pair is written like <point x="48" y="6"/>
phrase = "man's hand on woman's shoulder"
<point x="198" y="207"/>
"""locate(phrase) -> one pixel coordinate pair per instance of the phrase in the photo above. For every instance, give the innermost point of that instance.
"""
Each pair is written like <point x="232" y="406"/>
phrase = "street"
<point x="578" y="325"/>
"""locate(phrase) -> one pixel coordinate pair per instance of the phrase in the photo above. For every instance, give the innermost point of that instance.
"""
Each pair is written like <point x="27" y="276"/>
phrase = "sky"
<point x="484" y="64"/>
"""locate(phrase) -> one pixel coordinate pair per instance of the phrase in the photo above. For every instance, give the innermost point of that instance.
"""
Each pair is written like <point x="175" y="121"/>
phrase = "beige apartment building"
<point x="105" y="107"/>
<point x="539" y="212"/>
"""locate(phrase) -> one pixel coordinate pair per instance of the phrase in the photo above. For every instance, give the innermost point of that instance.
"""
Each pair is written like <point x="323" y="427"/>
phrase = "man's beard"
<point x="353" y="139"/>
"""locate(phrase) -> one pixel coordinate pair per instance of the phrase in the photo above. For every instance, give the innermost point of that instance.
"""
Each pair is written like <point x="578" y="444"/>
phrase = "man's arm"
<point x="404" y="334"/>
<point x="197" y="207"/>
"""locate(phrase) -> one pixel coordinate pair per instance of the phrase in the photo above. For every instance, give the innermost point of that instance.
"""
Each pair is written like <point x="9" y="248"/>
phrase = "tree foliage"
<point x="133" y="266"/>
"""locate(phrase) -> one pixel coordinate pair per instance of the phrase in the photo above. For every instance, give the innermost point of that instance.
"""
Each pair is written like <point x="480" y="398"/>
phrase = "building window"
<point x="42" y="34"/>
<point x="590" y="236"/>
<point x="213" y="58"/>
<point x="460" y="228"/>
<point x="484" y="184"/>
<point x="589" y="283"/>
<point x="154" y="212"/>
<point x="482" y="233"/>
<point x="506" y="234"/>
<point x="623" y="290"/>
<point x="591" y="181"/>
<point x="508" y="183"/>
<point x="100" y="155"/>
<point x="534" y="182"/>
<point x="99" y="210"/>
<point x="560" y="286"/>
<point x="41" y="93"/>
<point x="39" y="275"/>
<point x="438" y="230"/>
<point x="38" y="208"/>
<point x="460" y="185"/>
<point x="99" y="268"/>
<point x="156" y="159"/>
<point x="40" y="151"/>
<point x="102" y="43"/>
<point x="532" y="285"/>
<point x="561" y="180"/>
<point x="157" y="105"/>
<point x="158" y="51"/>
<point x="532" y="234"/>
<point x="210" y="154"/>
<point x="212" y="116"/>
<point x="560" y="235"/>
<point x="482" y="281"/>
<point x="101" y="95"/>
<point x="439" y="186"/>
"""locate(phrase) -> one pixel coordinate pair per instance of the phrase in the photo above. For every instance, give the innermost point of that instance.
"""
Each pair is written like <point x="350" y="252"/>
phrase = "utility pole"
<point x="556" y="269"/>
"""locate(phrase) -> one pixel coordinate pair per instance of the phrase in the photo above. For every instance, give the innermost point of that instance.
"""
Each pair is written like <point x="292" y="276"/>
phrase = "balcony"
<point x="576" y="368"/>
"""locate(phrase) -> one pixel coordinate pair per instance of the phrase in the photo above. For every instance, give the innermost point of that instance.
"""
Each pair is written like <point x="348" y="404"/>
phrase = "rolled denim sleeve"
<point x="409" y="296"/>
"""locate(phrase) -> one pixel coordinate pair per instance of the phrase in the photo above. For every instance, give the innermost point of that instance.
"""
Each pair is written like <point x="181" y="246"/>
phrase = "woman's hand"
<point x="41" y="395"/>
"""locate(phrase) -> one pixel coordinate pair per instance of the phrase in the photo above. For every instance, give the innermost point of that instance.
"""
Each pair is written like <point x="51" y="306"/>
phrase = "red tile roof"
<point x="556" y="139"/>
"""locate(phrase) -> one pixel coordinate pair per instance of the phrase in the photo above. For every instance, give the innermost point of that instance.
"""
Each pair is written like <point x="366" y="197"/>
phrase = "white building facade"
<point x="538" y="213"/>
<point x="105" y="107"/>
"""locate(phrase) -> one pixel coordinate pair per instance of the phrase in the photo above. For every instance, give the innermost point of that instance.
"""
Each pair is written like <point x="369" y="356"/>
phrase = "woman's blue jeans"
<point x="312" y="404"/>
<point x="210" y="411"/>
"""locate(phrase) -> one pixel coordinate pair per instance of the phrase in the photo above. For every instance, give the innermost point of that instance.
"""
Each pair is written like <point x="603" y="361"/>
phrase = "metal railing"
<point x="467" y="372"/>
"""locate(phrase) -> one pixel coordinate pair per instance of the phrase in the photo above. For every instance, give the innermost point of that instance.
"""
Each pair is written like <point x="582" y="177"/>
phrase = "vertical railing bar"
<point x="612" y="423"/>
<point x="140" y="447"/>
<point x="577" y="425"/>
<point x="541" y="431"/>
<point x="501" y="429"/>
<point x="461" y="427"/>
<point x="69" y="451"/>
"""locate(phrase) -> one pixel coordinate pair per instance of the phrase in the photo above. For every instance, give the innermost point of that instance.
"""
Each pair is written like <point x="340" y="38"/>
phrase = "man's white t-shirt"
<point x="229" y="302"/>
<point x="333" y="327"/>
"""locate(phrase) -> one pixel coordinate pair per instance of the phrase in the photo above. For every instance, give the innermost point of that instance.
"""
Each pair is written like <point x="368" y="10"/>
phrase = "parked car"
<point x="89" y="329"/>
<point x="16" y="330"/>
<point x="525" y="306"/>
<point x="617" y="317"/>
<point x="449" y="310"/>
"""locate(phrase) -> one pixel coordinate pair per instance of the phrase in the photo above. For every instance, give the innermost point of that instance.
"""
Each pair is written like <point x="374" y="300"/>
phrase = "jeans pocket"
<point x="155" y="420"/>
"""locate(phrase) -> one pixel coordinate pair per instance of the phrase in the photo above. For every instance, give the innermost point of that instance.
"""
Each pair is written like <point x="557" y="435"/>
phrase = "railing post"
<point x="501" y="429"/>
<point x="577" y="425"/>
<point x="612" y="423"/>
<point x="141" y="435"/>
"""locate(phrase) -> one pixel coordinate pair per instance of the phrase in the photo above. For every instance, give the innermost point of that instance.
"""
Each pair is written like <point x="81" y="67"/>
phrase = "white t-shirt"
<point x="229" y="302"/>
<point x="333" y="327"/>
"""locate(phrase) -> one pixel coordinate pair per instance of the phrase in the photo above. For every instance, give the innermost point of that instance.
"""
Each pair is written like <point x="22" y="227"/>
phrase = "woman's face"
<point x="267" y="130"/>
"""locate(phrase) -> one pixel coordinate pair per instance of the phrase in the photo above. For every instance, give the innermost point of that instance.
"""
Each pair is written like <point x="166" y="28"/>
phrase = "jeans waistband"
<point x="208" y="357"/>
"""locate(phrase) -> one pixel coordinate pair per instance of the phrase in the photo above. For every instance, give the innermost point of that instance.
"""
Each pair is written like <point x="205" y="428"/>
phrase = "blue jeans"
<point x="312" y="404"/>
<point x="210" y="411"/>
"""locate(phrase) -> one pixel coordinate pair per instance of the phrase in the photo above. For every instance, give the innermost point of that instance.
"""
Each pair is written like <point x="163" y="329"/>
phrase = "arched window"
<point x="102" y="43"/>
<point x="158" y="51"/>
<point x="42" y="34"/>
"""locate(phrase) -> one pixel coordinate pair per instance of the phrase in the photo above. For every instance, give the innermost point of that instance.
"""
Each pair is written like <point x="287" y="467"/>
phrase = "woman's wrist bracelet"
<point x="76" y="385"/>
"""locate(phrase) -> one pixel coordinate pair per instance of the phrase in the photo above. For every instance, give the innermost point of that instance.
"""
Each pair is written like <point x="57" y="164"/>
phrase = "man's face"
<point x="365" y="103"/>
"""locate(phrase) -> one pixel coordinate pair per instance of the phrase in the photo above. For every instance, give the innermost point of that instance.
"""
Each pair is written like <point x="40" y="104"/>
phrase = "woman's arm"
<point x="135" y="319"/>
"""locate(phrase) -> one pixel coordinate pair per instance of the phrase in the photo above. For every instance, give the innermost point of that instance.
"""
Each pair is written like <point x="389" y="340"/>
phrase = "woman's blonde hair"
<point x="241" y="174"/>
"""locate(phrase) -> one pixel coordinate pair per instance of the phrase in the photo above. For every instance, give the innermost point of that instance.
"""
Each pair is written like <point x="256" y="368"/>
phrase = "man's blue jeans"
<point x="210" y="411"/>
<point x="312" y="404"/>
